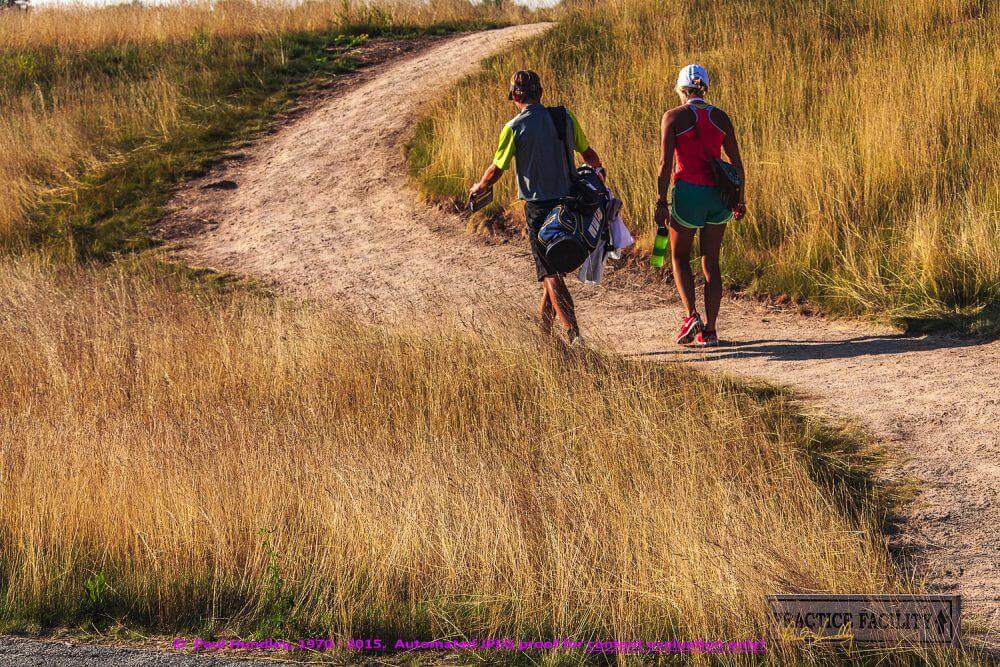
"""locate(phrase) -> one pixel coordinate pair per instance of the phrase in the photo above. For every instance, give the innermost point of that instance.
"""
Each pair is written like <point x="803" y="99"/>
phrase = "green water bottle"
<point x="660" y="247"/>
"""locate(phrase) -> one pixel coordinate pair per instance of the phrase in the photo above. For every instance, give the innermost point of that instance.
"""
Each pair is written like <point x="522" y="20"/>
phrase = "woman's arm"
<point x="732" y="148"/>
<point x="666" y="168"/>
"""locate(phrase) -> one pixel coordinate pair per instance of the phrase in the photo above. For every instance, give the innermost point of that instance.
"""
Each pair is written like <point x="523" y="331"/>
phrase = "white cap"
<point x="693" y="76"/>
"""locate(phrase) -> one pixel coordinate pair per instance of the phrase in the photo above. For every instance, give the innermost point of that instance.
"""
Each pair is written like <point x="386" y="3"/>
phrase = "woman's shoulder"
<point x="674" y="112"/>
<point x="720" y="119"/>
<point x="672" y="116"/>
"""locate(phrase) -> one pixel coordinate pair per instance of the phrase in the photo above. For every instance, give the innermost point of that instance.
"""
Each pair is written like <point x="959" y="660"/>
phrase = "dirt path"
<point x="322" y="207"/>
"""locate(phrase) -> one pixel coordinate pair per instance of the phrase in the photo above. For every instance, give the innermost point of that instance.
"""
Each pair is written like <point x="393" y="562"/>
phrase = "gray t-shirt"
<point x="530" y="139"/>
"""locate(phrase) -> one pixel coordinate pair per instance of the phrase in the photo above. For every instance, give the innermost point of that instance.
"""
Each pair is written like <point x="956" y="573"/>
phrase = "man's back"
<point x="540" y="157"/>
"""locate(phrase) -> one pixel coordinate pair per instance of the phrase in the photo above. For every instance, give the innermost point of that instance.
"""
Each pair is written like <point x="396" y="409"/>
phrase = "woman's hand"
<point x="661" y="214"/>
<point x="740" y="211"/>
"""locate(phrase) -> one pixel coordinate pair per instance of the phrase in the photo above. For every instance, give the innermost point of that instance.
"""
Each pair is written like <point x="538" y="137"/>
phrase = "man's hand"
<point x="591" y="157"/>
<point x="491" y="176"/>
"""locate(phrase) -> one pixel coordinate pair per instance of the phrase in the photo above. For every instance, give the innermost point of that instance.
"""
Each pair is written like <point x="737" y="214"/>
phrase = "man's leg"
<point x="711" y="248"/>
<point x="546" y="311"/>
<point x="560" y="299"/>
<point x="556" y="300"/>
<point x="681" y="240"/>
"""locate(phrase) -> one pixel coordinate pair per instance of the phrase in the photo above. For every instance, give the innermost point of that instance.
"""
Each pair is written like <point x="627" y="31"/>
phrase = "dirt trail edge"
<point x="322" y="208"/>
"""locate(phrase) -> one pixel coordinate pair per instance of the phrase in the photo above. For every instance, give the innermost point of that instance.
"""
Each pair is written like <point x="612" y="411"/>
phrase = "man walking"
<point x="531" y="140"/>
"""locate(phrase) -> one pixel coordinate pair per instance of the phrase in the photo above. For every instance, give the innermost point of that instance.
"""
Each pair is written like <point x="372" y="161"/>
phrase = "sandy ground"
<point x="322" y="208"/>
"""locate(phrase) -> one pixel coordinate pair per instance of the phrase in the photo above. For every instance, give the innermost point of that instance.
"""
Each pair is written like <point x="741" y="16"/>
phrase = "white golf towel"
<point x="592" y="270"/>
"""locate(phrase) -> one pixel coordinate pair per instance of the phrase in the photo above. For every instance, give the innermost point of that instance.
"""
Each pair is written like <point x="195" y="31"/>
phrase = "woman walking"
<point x="696" y="133"/>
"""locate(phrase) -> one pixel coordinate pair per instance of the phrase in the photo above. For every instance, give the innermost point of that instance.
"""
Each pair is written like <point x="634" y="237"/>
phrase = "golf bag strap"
<point x="560" y="118"/>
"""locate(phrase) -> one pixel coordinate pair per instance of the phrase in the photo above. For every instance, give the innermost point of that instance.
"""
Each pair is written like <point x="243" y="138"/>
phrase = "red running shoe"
<point x="690" y="327"/>
<point x="706" y="338"/>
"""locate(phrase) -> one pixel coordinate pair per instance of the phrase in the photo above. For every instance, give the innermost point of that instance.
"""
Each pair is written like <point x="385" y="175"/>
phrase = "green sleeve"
<point x="580" y="142"/>
<point x="506" y="149"/>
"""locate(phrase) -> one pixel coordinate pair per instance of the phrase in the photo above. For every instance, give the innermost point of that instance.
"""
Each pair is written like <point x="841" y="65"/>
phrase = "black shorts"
<point x="535" y="213"/>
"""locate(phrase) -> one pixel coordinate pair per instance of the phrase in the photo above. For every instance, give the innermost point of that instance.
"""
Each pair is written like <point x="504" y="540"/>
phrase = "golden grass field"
<point x="869" y="130"/>
<point x="180" y="458"/>
<point x="130" y="24"/>
<point x="260" y="465"/>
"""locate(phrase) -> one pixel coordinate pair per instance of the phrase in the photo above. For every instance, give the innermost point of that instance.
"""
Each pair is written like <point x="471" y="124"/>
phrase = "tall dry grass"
<point x="81" y="28"/>
<point x="234" y="464"/>
<point x="80" y="89"/>
<point x="869" y="130"/>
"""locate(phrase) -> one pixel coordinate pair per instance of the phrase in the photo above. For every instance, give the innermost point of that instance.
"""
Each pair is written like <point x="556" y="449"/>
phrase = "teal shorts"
<point x="694" y="206"/>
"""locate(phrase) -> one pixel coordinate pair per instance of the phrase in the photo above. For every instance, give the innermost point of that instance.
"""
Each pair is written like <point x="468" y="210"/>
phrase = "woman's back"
<point x="699" y="141"/>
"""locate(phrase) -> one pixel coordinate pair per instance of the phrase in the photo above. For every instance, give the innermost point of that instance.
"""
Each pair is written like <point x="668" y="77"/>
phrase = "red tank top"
<point x="693" y="148"/>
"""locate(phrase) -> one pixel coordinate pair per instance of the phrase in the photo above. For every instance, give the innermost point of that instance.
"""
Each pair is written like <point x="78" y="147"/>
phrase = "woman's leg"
<point x="681" y="240"/>
<point x="711" y="248"/>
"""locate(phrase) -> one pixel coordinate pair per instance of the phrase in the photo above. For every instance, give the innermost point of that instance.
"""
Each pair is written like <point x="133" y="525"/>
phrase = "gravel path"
<point x="19" y="652"/>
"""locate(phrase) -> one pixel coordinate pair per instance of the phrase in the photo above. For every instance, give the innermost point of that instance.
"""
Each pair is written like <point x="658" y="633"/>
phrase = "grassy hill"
<point x="182" y="460"/>
<point x="104" y="110"/>
<point x="868" y="128"/>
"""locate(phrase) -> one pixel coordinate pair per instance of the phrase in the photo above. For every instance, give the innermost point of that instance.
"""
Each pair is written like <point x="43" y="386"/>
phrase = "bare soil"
<point x="323" y="208"/>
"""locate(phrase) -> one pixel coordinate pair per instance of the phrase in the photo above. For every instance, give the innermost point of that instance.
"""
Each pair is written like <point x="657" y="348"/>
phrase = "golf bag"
<point x="578" y="225"/>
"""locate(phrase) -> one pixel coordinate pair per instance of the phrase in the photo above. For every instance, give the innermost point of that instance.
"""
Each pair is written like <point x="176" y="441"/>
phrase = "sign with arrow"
<point x="870" y="619"/>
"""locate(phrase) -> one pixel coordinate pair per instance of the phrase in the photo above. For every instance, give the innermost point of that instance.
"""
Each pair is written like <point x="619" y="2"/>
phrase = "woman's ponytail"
<point x="697" y="88"/>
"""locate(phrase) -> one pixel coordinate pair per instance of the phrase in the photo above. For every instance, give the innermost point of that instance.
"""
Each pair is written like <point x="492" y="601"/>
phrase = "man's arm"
<point x="490" y="176"/>
<point x="591" y="157"/>
<point x="666" y="168"/>
<point x="582" y="146"/>
<point x="501" y="160"/>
